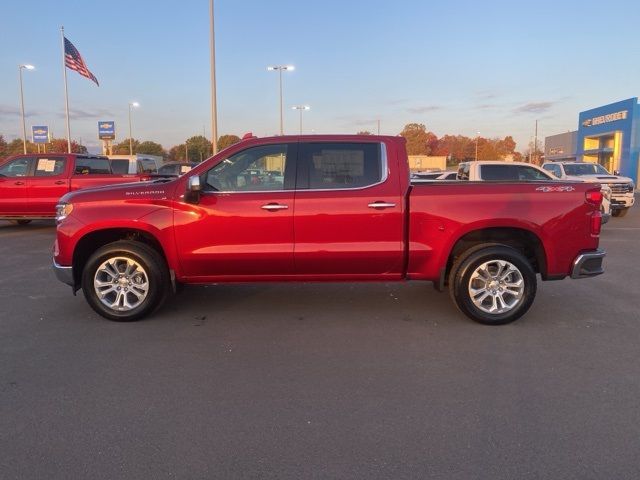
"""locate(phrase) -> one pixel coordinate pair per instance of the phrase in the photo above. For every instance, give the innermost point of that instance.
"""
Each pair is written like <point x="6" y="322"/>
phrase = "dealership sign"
<point x="610" y="117"/>
<point x="107" y="130"/>
<point x="40" y="133"/>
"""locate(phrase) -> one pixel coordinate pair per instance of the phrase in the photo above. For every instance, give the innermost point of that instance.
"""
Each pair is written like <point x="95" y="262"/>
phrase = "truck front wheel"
<point x="493" y="284"/>
<point x="125" y="280"/>
<point x="619" y="212"/>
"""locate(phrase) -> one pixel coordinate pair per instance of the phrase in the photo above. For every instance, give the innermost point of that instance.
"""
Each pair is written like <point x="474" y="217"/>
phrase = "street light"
<point x="131" y="104"/>
<point x="280" y="69"/>
<point x="24" y="128"/>
<point x="477" y="138"/>
<point x="214" y="106"/>
<point x="301" y="108"/>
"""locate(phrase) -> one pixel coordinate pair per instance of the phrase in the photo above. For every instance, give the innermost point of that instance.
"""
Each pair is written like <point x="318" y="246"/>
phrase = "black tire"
<point x="621" y="212"/>
<point x="472" y="259"/>
<point x="149" y="259"/>
<point x="21" y="222"/>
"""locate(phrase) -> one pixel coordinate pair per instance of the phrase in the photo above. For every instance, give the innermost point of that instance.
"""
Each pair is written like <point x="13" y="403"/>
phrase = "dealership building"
<point x="608" y="135"/>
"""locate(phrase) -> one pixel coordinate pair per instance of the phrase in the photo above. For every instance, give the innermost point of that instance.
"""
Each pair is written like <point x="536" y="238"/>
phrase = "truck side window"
<point x="255" y="169"/>
<point x="532" y="174"/>
<point x="92" y="166"/>
<point x="49" y="167"/>
<point x="19" y="167"/>
<point x="498" y="172"/>
<point x="463" y="171"/>
<point x="327" y="166"/>
<point x="554" y="169"/>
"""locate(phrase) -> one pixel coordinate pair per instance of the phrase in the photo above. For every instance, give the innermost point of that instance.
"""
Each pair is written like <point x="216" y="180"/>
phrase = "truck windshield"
<point x="585" y="169"/>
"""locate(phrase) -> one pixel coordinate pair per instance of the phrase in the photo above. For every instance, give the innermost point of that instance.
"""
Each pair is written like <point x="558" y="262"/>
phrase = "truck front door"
<point x="348" y="212"/>
<point x="242" y="226"/>
<point x="13" y="186"/>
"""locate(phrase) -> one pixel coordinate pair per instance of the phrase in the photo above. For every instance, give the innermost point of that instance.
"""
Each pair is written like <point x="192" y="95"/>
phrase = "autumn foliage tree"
<point x="59" y="145"/>
<point x="227" y="140"/>
<point x="419" y="140"/>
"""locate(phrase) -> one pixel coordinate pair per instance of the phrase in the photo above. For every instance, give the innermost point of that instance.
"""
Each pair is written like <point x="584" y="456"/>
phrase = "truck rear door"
<point x="348" y="216"/>
<point x="49" y="182"/>
<point x="94" y="172"/>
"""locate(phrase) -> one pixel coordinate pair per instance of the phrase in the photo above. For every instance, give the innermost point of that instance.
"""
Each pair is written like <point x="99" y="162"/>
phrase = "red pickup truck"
<point x="325" y="208"/>
<point x="31" y="185"/>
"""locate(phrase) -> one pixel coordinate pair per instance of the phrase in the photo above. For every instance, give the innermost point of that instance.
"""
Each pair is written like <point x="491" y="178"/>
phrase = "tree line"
<point x="457" y="148"/>
<point x="420" y="141"/>
<point x="193" y="149"/>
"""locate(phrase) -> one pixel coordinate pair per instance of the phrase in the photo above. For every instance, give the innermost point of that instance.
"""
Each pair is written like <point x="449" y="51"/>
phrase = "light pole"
<point x="301" y="108"/>
<point x="477" y="138"/>
<point x="280" y="69"/>
<point x="24" y="128"/>
<point x="214" y="107"/>
<point x="131" y="104"/>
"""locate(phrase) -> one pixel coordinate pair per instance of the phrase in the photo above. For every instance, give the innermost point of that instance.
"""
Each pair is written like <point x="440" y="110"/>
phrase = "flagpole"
<point x="66" y="93"/>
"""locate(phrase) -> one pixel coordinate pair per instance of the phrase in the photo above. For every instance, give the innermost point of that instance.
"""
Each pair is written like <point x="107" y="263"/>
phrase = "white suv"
<point x="622" y="188"/>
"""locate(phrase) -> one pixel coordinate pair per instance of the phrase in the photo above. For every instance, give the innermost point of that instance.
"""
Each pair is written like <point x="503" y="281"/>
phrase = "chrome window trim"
<point x="385" y="169"/>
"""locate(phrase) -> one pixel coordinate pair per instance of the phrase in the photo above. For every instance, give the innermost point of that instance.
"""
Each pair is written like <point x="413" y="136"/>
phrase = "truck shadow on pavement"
<point x="300" y="302"/>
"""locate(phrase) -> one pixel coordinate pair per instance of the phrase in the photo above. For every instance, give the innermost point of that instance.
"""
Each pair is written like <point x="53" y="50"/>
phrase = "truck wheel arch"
<point x="96" y="239"/>
<point x="521" y="239"/>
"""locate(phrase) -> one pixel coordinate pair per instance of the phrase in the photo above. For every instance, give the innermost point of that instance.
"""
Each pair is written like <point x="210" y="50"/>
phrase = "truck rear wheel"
<point x="619" y="212"/>
<point x="493" y="284"/>
<point x="125" y="280"/>
<point x="21" y="222"/>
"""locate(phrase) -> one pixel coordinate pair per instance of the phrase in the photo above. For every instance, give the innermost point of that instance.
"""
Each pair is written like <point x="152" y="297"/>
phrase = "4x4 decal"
<point x="563" y="188"/>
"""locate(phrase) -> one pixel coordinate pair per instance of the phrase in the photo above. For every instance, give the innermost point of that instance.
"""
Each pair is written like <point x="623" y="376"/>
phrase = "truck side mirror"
<point x="616" y="172"/>
<point x="194" y="188"/>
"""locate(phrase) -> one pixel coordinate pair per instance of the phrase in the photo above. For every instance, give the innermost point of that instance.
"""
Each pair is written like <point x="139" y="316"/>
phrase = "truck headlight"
<point x="63" y="210"/>
<point x="606" y="191"/>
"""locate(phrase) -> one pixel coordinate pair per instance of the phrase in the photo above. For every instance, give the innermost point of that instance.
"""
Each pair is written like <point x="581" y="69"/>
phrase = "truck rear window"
<point x="511" y="173"/>
<point x="327" y="166"/>
<point x="92" y="166"/>
<point x="147" y="166"/>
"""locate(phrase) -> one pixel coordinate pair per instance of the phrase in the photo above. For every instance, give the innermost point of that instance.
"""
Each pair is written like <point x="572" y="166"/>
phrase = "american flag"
<point x="74" y="61"/>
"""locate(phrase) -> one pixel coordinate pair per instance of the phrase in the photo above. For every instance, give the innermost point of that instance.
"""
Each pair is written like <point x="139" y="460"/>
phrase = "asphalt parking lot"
<point x="319" y="380"/>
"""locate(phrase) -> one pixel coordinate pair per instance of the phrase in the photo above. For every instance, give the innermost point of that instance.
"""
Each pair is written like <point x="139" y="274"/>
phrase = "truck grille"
<point x="620" y="188"/>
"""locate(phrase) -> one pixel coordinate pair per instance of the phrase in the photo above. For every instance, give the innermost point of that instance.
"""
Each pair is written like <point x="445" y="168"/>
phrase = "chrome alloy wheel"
<point x="496" y="287"/>
<point x="121" y="284"/>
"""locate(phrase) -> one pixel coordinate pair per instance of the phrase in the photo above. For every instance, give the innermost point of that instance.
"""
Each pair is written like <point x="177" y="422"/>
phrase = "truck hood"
<point x="600" y="178"/>
<point x="155" y="189"/>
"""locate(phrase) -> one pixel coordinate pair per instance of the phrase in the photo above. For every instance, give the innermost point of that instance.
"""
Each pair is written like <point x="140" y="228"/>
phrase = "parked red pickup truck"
<point x="31" y="185"/>
<point x="325" y="208"/>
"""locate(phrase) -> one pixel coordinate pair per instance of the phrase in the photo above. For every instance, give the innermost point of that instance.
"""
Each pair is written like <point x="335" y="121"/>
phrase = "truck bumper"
<point x="618" y="202"/>
<point x="588" y="264"/>
<point x="64" y="274"/>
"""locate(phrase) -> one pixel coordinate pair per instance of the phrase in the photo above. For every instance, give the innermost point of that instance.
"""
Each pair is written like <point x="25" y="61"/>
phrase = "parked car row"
<point x="31" y="185"/>
<point x="617" y="191"/>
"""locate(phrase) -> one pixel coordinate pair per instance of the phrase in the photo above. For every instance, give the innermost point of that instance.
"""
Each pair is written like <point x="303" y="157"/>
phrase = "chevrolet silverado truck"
<point x="622" y="188"/>
<point x="31" y="185"/>
<point x="325" y="208"/>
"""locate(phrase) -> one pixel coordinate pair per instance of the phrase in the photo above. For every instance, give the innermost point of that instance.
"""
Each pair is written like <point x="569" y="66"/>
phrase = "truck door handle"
<point x="381" y="205"/>
<point x="59" y="182"/>
<point x="19" y="183"/>
<point x="272" y="207"/>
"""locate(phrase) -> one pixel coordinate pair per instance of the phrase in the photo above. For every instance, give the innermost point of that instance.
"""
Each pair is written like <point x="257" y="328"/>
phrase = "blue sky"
<point x="456" y="66"/>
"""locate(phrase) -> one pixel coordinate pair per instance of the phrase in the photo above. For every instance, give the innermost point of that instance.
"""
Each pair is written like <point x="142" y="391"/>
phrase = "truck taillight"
<point x="596" y="223"/>
<point x="594" y="197"/>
